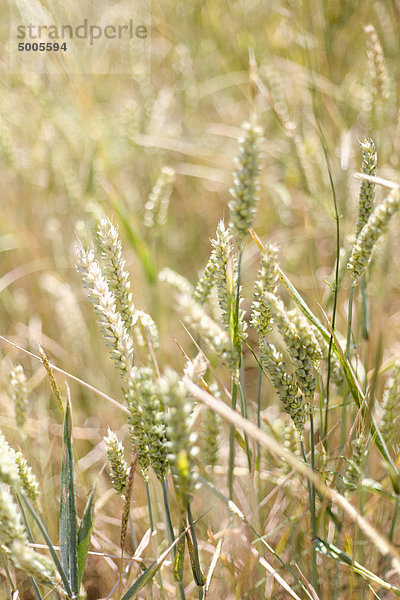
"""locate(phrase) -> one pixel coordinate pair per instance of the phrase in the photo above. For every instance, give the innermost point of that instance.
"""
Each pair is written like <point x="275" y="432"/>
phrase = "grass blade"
<point x="150" y="572"/>
<point x="335" y="553"/>
<point x="68" y="516"/>
<point x="193" y="550"/>
<point x="54" y="555"/>
<point x="177" y="573"/>
<point x="211" y="569"/>
<point x="84" y="533"/>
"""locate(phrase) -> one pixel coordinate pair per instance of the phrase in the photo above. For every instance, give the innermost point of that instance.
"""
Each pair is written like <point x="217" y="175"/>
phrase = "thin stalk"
<point x="321" y="397"/>
<point x="133" y="534"/>
<point x="315" y="578"/>
<point x="311" y="495"/>
<point x="337" y="235"/>
<point x="259" y="413"/>
<point x="365" y="327"/>
<point x="236" y="342"/>
<point x="199" y="574"/>
<point x="392" y="530"/>
<point x="26" y="524"/>
<point x="170" y="529"/>
<point x="232" y="442"/>
<point x="394" y="518"/>
<point x="343" y="425"/>
<point x="258" y="447"/>
<point x="7" y="572"/>
<point x="243" y="408"/>
<point x="50" y="546"/>
<point x="56" y="594"/>
<point x="345" y="386"/>
<point x="149" y="506"/>
<point x="365" y="307"/>
<point x="170" y="532"/>
<point x="30" y="537"/>
<point x="154" y="540"/>
<point x="312" y="449"/>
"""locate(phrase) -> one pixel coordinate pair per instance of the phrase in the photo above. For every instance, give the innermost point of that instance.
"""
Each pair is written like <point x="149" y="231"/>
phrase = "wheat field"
<point x="199" y="309"/>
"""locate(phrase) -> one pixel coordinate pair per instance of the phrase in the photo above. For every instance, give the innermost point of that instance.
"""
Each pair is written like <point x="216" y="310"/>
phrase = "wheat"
<point x="19" y="394"/>
<point x="244" y="191"/>
<point x="376" y="226"/>
<point x="118" y="464"/>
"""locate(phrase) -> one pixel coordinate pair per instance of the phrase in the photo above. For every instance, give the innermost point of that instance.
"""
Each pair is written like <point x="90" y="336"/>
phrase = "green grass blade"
<point x="84" y="533"/>
<point x="54" y="555"/>
<point x="143" y="580"/>
<point x="68" y="516"/>
<point x="177" y="573"/>
<point x="6" y="571"/>
<point x="335" y="553"/>
<point x="151" y="571"/>
<point x="191" y="539"/>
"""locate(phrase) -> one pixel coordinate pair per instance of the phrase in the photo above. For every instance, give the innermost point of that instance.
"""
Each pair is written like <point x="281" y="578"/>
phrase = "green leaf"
<point x="49" y="543"/>
<point x="150" y="572"/>
<point x="84" y="533"/>
<point x="240" y="440"/>
<point x="335" y="553"/>
<point x="198" y="574"/>
<point x="177" y="572"/>
<point x="68" y="518"/>
<point x="143" y="580"/>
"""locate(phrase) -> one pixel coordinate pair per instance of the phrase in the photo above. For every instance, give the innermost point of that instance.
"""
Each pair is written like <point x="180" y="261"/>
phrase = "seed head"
<point x="355" y="469"/>
<point x="8" y="465"/>
<point x="147" y="423"/>
<point x="266" y="282"/>
<point x="210" y="433"/>
<point x="244" y="192"/>
<point x="115" y="271"/>
<point x="27" y="478"/>
<point x="176" y="281"/>
<point x="284" y="384"/>
<point x="11" y="527"/>
<point x="181" y="439"/>
<point x="196" y="369"/>
<point x="390" y="415"/>
<point x="156" y="207"/>
<point x="210" y="331"/>
<point x="295" y="346"/>
<point x="367" y="188"/>
<point x="109" y="319"/>
<point x="118" y="465"/>
<point x="376" y="226"/>
<point x="19" y="394"/>
<point x="378" y="88"/>
<point x="32" y="563"/>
